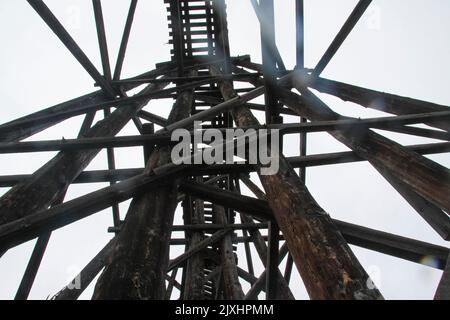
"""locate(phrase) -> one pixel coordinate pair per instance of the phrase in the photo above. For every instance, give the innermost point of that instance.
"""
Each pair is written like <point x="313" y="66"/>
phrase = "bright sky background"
<point x="399" y="46"/>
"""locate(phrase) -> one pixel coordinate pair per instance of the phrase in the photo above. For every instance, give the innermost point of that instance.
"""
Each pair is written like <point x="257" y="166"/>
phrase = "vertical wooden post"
<point x="138" y="266"/>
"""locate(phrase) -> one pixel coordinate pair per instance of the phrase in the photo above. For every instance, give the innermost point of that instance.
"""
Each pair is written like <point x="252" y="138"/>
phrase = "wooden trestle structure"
<point x="135" y="263"/>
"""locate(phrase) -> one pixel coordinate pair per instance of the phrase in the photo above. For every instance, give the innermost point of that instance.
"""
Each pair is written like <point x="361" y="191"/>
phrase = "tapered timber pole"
<point x="328" y="267"/>
<point x="138" y="266"/>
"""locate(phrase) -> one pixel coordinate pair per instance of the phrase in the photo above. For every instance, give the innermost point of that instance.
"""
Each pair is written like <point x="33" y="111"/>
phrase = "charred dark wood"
<point x="401" y="247"/>
<point x="77" y="286"/>
<point x="425" y="177"/>
<point x="443" y="291"/>
<point x="193" y="212"/>
<point x="328" y="267"/>
<point x="141" y="255"/>
<point x="47" y="184"/>
<point x="172" y="283"/>
<point x="260" y="284"/>
<point x="217" y="236"/>
<point x="26" y="126"/>
<point x="373" y="99"/>
<point x="231" y="286"/>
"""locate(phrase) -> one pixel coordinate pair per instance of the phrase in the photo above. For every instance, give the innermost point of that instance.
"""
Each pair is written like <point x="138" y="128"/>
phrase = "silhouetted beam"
<point x="422" y="132"/>
<point x="172" y="283"/>
<point x="427" y="178"/>
<point x="253" y="206"/>
<point x="367" y="98"/>
<point x="137" y="268"/>
<point x="77" y="286"/>
<point x="272" y="271"/>
<point x="266" y="18"/>
<point x="260" y="284"/>
<point x="47" y="183"/>
<point x="305" y="225"/>
<point x="235" y="77"/>
<point x="153" y="118"/>
<point x="193" y="212"/>
<point x="101" y="35"/>
<point x="197" y="248"/>
<point x="385" y="123"/>
<point x="283" y="290"/>
<point x="218" y="109"/>
<point x="250" y="278"/>
<point x="377" y="100"/>
<point x="443" y="291"/>
<point x="215" y="227"/>
<point x="45" y="13"/>
<point x="401" y="247"/>
<point x="26" y="126"/>
<point x="32" y="267"/>
<point x="348" y="26"/>
<point x="300" y="34"/>
<point x="124" y="42"/>
<point x="271" y="47"/>
<point x="231" y="285"/>
<point x="36" y="223"/>
<point x="15" y="131"/>
<point x="141" y="98"/>
<point x="313" y="160"/>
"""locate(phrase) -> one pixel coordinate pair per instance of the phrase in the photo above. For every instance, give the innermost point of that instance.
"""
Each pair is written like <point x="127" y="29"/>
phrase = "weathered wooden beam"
<point x="162" y="137"/>
<point x="252" y="206"/>
<point x="272" y="271"/>
<point x="102" y="42"/>
<point x="300" y="34"/>
<point x="215" y="226"/>
<point x="141" y="255"/>
<point x="217" y="236"/>
<point x="15" y="131"/>
<point x="45" y="13"/>
<point x="32" y="267"/>
<point x="96" y="176"/>
<point x="260" y="284"/>
<point x="283" y="290"/>
<point x="37" y="223"/>
<point x="305" y="225"/>
<point x="77" y="286"/>
<point x="266" y="17"/>
<point x="425" y="177"/>
<point x="193" y="213"/>
<point x="343" y="33"/>
<point x="443" y="291"/>
<point x="273" y="50"/>
<point x="367" y="98"/>
<point x="26" y="126"/>
<point x="231" y="285"/>
<point x="373" y="99"/>
<point x="47" y="183"/>
<point x="172" y="283"/>
<point x="401" y="247"/>
<point x="124" y="41"/>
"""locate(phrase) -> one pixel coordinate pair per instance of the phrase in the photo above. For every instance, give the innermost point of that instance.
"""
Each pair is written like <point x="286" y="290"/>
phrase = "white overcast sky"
<point x="399" y="46"/>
